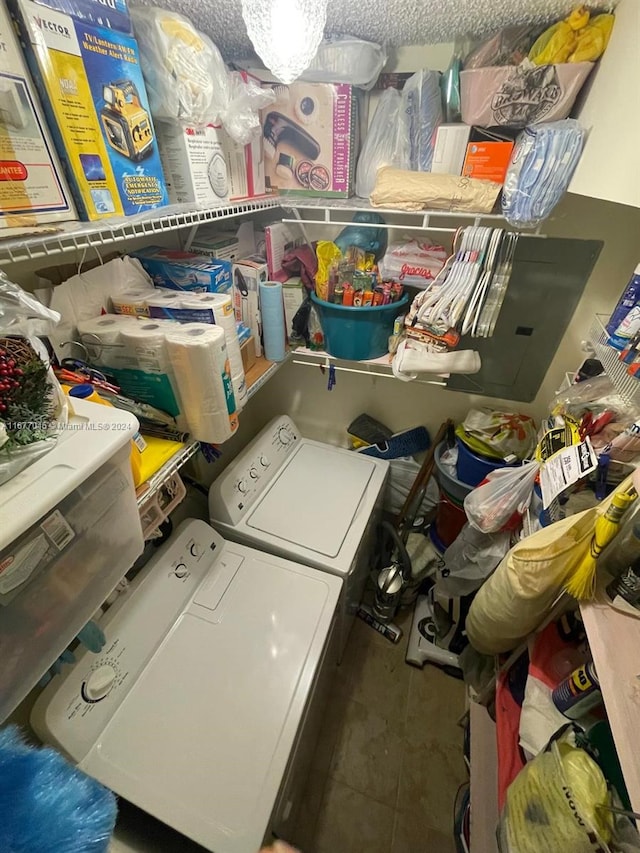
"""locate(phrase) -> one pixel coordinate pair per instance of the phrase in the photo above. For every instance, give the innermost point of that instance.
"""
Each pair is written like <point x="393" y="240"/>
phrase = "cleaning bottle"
<point x="138" y="444"/>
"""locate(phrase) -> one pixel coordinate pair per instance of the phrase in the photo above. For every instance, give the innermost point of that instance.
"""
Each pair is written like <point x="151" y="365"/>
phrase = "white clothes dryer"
<point x="203" y="706"/>
<point x="307" y="501"/>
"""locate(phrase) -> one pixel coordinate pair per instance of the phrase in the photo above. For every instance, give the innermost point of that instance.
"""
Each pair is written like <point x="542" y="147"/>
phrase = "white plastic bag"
<point x="469" y="560"/>
<point x="506" y="493"/>
<point x="402" y="473"/>
<point x="413" y="262"/>
<point x="345" y="59"/>
<point x="385" y="143"/>
<point x="422" y="107"/>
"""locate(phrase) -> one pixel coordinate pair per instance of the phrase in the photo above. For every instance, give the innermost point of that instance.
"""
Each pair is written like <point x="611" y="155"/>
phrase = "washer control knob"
<point x="242" y="487"/>
<point x="284" y="436"/>
<point x="195" y="549"/>
<point x="99" y="683"/>
<point x="253" y="473"/>
<point x="180" y="570"/>
<point x="264" y="462"/>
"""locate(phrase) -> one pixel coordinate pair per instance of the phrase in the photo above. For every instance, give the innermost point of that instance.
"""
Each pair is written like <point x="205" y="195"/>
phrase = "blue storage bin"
<point x="472" y="468"/>
<point x="357" y="333"/>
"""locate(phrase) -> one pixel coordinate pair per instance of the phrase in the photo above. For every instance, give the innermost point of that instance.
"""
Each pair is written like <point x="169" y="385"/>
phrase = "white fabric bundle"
<point x="414" y="357"/>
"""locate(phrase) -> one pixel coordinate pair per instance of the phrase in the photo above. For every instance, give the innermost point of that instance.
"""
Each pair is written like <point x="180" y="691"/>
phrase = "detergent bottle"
<point x="138" y="444"/>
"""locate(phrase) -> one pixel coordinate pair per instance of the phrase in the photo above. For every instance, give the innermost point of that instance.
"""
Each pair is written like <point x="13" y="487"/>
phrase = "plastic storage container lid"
<point x="92" y="436"/>
<point x="81" y="391"/>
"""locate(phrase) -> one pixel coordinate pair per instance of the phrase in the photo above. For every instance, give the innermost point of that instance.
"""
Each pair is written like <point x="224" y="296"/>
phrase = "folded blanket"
<point x="427" y="191"/>
<point x="413" y="357"/>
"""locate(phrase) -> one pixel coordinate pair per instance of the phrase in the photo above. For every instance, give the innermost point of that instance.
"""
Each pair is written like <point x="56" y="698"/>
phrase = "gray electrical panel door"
<point x="549" y="276"/>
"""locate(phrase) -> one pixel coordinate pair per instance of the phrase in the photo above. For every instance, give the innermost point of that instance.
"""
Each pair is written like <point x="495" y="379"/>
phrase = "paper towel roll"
<point x="198" y="354"/>
<point x="160" y="297"/>
<point x="152" y="378"/>
<point x="221" y="306"/>
<point x="102" y="338"/>
<point x="133" y="302"/>
<point x="273" y="329"/>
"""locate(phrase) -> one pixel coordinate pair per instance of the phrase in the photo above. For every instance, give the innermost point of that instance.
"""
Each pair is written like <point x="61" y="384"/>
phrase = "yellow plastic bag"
<point x="575" y="39"/>
<point x="555" y="802"/>
<point x="327" y="253"/>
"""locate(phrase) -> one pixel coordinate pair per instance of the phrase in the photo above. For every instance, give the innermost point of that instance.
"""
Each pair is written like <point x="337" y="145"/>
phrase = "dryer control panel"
<point x="238" y="487"/>
<point x="81" y="701"/>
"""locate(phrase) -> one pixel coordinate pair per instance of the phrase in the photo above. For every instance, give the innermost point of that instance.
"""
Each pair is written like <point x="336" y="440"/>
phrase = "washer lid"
<point x="314" y="500"/>
<point x="203" y="738"/>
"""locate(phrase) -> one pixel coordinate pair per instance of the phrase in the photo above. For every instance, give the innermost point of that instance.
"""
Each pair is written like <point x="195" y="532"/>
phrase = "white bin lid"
<point x="94" y="434"/>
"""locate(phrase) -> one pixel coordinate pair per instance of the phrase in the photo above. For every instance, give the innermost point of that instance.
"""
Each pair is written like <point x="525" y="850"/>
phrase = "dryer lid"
<point x="313" y="502"/>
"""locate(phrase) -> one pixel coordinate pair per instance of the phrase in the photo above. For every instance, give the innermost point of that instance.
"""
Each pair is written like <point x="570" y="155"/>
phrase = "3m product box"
<point x="311" y="138"/>
<point x="194" y="164"/>
<point x="91" y="86"/>
<point x="32" y="189"/>
<point x="185" y="270"/>
<point x="247" y="276"/>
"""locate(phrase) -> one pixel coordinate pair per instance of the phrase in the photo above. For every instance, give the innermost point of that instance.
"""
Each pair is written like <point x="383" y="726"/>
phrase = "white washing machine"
<point x="203" y="705"/>
<point x="307" y="501"/>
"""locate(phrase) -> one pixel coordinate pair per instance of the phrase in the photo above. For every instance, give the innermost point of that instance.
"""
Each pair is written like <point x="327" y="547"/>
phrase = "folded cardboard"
<point x="248" y="353"/>
<point x="32" y="187"/>
<point x="90" y="83"/>
<point x="311" y="138"/>
<point x="185" y="270"/>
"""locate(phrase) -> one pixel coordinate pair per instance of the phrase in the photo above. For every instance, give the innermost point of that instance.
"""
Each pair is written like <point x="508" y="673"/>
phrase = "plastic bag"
<point x="413" y="262"/>
<point x="507" y="47"/>
<point x="402" y="473"/>
<point x="326" y="252"/>
<point x="33" y="408"/>
<point x="555" y="803"/>
<point x="345" y="59"/>
<point x="385" y="143"/>
<point x="469" y="561"/>
<point x="184" y="73"/>
<point x="422" y="109"/>
<point x="498" y="434"/>
<point x="577" y="38"/>
<point x="499" y="502"/>
<point x="542" y="164"/>
<point x="372" y="240"/>
<point x="241" y="119"/>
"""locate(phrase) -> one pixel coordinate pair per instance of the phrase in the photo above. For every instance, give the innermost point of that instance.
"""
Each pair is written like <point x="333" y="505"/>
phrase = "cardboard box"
<point x="311" y="139"/>
<point x="450" y="149"/>
<point x="247" y="276"/>
<point x="194" y="164"/>
<point x="225" y="245"/>
<point x="293" y="294"/>
<point x="90" y="83"/>
<point x="32" y="187"/>
<point x="185" y="270"/>
<point x="248" y="353"/>
<point x="279" y="239"/>
<point x="110" y="14"/>
<point x="487" y="156"/>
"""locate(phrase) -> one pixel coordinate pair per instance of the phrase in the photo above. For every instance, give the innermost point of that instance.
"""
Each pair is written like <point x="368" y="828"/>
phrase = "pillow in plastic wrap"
<point x="422" y="107"/>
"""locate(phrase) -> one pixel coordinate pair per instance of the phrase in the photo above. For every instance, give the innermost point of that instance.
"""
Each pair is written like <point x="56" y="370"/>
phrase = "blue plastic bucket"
<point x="357" y="333"/>
<point x="472" y="468"/>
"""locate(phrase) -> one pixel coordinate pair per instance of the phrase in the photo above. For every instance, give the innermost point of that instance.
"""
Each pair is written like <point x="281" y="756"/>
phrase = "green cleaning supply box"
<point x="177" y="270"/>
<point x="90" y="83"/>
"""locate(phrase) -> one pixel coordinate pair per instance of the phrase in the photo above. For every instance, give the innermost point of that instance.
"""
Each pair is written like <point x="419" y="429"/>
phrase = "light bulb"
<point x="285" y="33"/>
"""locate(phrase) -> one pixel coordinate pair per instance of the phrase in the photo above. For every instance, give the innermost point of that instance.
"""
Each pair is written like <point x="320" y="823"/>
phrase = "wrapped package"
<point x="427" y="191"/>
<point x="345" y="59"/>
<point x="422" y="113"/>
<point x="385" y="143"/>
<point x="412" y="262"/>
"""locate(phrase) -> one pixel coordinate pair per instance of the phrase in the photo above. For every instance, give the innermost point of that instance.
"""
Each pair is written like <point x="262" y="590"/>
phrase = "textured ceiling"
<point x="393" y="22"/>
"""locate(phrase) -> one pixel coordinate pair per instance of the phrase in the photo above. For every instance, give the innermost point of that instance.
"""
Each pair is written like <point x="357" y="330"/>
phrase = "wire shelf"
<point x="73" y="236"/>
<point x="167" y="471"/>
<point x="627" y="386"/>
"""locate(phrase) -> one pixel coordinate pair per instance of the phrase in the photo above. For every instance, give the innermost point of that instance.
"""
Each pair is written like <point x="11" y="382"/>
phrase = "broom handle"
<point x="423" y="474"/>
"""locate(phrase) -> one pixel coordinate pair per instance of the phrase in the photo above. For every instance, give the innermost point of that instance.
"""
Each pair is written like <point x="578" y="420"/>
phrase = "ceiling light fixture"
<point x="285" y="33"/>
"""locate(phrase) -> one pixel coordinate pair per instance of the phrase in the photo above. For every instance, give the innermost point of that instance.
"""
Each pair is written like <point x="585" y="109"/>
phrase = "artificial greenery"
<point x="26" y="396"/>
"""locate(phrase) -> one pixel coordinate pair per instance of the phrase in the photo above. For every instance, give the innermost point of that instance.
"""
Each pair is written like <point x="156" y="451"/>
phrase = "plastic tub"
<point x="357" y="333"/>
<point x="450" y="519"/>
<point x="472" y="468"/>
<point x="453" y="488"/>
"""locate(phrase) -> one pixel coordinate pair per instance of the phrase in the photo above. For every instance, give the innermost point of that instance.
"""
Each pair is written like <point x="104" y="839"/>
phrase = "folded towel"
<point x="414" y="357"/>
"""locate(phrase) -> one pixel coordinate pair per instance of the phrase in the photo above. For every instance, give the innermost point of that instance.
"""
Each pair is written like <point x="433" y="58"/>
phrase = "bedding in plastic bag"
<point x="385" y="143"/>
<point x="556" y="803"/>
<point x="500" y="501"/>
<point x="499" y="434"/>
<point x="346" y="59"/>
<point x="422" y="108"/>
<point x="469" y="561"/>
<point x="33" y="408"/>
<point x="402" y="473"/>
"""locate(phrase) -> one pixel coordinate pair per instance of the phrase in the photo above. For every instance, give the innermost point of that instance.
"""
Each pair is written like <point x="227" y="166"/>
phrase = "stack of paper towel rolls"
<point x="198" y="353"/>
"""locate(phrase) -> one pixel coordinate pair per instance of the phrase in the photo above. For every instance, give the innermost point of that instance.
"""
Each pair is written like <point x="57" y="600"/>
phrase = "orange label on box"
<point x="487" y="160"/>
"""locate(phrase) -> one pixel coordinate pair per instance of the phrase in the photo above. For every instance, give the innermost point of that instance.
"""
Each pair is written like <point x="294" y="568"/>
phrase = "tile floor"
<point x="389" y="759"/>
